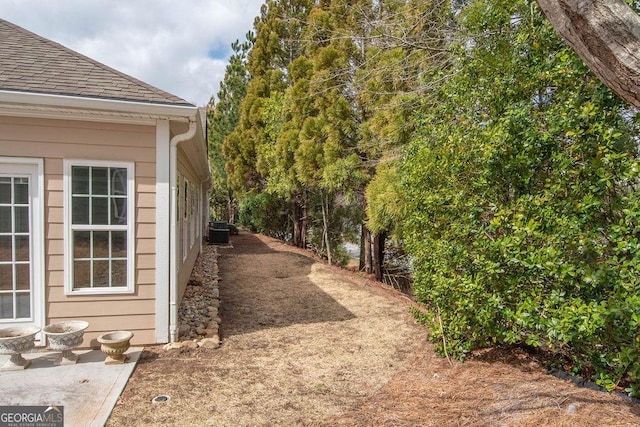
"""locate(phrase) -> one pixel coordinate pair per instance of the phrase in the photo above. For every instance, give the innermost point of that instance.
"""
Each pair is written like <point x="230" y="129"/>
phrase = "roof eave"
<point x="98" y="104"/>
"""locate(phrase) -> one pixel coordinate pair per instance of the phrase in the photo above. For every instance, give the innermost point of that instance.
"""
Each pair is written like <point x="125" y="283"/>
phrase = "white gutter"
<point x="173" y="261"/>
<point x="122" y="106"/>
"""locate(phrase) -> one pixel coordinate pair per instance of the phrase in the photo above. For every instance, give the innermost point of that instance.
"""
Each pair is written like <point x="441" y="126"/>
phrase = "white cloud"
<point x="179" y="46"/>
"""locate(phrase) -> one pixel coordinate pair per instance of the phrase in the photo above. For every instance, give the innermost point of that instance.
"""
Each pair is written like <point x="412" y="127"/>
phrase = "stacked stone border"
<point x="198" y="317"/>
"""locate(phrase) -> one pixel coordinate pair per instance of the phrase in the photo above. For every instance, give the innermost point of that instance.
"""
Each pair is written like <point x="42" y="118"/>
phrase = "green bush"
<point x="264" y="213"/>
<point x="523" y="212"/>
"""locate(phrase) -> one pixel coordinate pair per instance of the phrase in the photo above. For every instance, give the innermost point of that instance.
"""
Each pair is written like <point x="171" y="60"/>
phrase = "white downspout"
<point x="173" y="245"/>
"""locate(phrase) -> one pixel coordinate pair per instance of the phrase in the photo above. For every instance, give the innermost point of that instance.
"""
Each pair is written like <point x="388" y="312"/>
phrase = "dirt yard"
<point x="305" y="344"/>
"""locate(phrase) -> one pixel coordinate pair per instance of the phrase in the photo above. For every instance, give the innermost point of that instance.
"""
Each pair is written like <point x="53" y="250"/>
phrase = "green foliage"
<point x="264" y="213"/>
<point x="386" y="204"/>
<point x="249" y="149"/>
<point x="523" y="212"/>
<point x="223" y="117"/>
<point x="331" y="90"/>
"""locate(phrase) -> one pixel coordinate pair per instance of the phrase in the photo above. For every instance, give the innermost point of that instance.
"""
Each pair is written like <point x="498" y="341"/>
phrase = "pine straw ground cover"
<point x="307" y="344"/>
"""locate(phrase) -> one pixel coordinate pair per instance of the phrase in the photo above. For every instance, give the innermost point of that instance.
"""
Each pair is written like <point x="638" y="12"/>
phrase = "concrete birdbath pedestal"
<point x="114" y="344"/>
<point x="65" y="336"/>
<point x="14" y="342"/>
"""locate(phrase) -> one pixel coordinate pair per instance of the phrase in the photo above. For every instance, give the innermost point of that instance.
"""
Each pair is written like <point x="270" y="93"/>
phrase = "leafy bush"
<point x="265" y="213"/>
<point x="523" y="213"/>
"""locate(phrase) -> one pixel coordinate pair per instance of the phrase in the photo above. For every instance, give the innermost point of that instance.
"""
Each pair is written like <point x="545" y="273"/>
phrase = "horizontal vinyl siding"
<point x="76" y="309"/>
<point x="186" y="266"/>
<point x="55" y="141"/>
<point x="146" y="213"/>
<point x="145" y="231"/>
<point x="185" y="269"/>
<point x="143" y="292"/>
<point x="104" y="324"/>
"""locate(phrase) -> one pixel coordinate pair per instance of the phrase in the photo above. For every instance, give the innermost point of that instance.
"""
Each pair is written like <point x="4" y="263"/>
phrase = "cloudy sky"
<point x="181" y="46"/>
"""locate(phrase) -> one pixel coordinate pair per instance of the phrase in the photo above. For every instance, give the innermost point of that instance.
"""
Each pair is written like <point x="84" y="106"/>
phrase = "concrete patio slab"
<point x="88" y="390"/>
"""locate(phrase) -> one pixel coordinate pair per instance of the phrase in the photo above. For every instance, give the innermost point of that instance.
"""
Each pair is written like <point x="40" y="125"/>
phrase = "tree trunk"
<point x="378" y="254"/>
<point x="231" y="209"/>
<point x="325" y="226"/>
<point x="303" y="232"/>
<point x="366" y="263"/>
<point x="361" y="254"/>
<point x="297" y="223"/>
<point x="606" y="35"/>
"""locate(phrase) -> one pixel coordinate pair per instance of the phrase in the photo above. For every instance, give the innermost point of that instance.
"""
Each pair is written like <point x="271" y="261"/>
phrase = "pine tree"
<point x="404" y="45"/>
<point x="276" y="45"/>
<point x="223" y="117"/>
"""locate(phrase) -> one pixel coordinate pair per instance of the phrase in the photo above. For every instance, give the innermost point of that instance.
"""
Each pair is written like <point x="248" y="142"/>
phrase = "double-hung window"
<point x="99" y="227"/>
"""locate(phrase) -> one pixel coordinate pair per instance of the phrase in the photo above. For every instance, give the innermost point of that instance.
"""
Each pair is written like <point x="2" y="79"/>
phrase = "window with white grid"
<point x="99" y="225"/>
<point x="15" y="252"/>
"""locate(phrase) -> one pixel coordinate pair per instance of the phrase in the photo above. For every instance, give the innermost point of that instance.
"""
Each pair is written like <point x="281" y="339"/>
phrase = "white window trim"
<point x="68" y="241"/>
<point x="37" y="250"/>
<point x="192" y="216"/>
<point x="185" y="218"/>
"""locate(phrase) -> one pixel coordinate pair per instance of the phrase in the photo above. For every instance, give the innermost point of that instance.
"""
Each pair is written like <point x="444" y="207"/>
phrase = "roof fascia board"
<point x="160" y="110"/>
<point x="81" y="115"/>
<point x="195" y="150"/>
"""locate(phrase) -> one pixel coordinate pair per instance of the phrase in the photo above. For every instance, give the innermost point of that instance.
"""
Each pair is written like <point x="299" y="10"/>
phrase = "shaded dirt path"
<point x="308" y="344"/>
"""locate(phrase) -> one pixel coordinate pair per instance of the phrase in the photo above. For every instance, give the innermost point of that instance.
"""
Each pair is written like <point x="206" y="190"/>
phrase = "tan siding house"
<point x="103" y="193"/>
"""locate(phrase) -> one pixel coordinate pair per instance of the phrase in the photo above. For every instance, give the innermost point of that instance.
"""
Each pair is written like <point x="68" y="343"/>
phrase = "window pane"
<point x="99" y="210"/>
<point x="118" y="181"/>
<point x="100" y="255"/>
<point x="186" y="197"/>
<point x="81" y="274"/>
<point x="100" y="244"/>
<point x="178" y="198"/>
<point x="22" y="277"/>
<point x="6" y="306"/>
<point x="22" y="248"/>
<point x="23" y="301"/>
<point x="99" y="181"/>
<point x="79" y="180"/>
<point x="81" y="244"/>
<point x="119" y="273"/>
<point x="6" y="249"/>
<point x="6" y="277"/>
<point x="5" y="219"/>
<point x="119" y="211"/>
<point x="80" y="210"/>
<point x="5" y="190"/>
<point x="21" y="188"/>
<point x="22" y="219"/>
<point x="100" y="274"/>
<point x="119" y="244"/>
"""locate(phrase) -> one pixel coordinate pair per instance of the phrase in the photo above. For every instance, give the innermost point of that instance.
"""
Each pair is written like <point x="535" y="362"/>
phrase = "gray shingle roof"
<point x="30" y="63"/>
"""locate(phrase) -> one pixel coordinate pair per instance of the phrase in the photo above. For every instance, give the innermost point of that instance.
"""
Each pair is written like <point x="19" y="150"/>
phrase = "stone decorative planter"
<point x="14" y="342"/>
<point x="65" y="336"/>
<point x="114" y="344"/>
